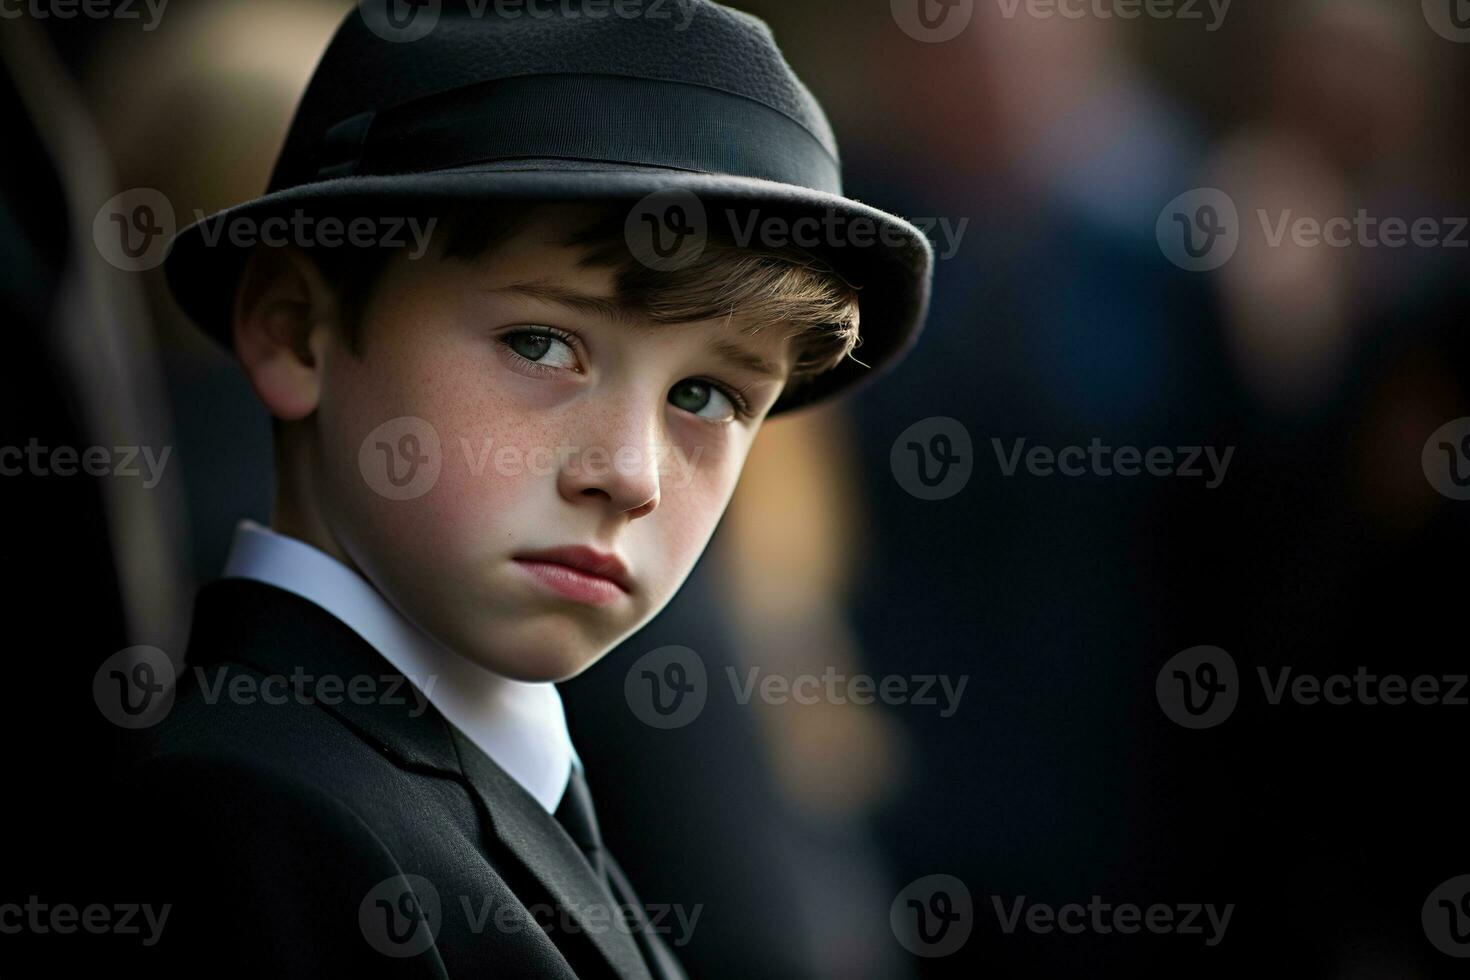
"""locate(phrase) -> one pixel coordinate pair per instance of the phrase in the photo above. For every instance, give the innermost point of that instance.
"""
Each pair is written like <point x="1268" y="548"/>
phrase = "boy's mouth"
<point x="578" y="572"/>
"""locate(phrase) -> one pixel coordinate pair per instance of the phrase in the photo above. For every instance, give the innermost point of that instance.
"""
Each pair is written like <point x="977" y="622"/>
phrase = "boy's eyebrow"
<point x="747" y="359"/>
<point x="553" y="292"/>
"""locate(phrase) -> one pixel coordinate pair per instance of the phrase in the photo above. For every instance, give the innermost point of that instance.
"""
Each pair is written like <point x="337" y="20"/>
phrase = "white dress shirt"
<point x="520" y="725"/>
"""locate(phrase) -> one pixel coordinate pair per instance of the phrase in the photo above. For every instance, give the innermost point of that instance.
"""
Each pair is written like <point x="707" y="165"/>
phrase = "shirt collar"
<point x="520" y="725"/>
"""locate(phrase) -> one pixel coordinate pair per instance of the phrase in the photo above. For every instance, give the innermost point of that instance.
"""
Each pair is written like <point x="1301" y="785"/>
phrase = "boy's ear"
<point x="284" y="315"/>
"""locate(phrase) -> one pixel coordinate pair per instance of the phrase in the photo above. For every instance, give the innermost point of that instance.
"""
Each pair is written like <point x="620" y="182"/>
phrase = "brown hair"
<point x="754" y="285"/>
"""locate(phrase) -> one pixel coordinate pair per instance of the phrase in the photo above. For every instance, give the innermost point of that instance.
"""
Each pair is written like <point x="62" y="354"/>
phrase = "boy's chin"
<point x="537" y="656"/>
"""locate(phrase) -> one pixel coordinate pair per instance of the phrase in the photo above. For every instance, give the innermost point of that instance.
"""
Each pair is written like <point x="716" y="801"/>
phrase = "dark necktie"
<point x="580" y="821"/>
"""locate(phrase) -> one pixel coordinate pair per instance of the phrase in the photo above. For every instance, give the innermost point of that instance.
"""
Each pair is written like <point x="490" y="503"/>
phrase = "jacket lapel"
<point x="545" y="850"/>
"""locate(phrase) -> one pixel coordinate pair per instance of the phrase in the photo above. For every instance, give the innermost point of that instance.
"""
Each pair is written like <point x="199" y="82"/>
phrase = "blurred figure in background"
<point x="1345" y="125"/>
<point x="1055" y="323"/>
<point x="1346" y="350"/>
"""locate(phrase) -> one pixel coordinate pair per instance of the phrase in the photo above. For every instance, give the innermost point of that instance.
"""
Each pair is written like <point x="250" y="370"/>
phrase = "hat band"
<point x="595" y="118"/>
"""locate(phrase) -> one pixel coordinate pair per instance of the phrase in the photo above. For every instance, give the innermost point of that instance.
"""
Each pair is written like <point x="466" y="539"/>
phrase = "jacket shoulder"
<point x="235" y="713"/>
<point x="259" y="872"/>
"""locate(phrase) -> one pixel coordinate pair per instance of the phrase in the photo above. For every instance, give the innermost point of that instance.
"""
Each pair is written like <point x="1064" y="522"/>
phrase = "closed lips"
<point x="587" y="561"/>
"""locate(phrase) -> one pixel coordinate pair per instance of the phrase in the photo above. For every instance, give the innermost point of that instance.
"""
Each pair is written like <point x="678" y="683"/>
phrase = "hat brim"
<point x="892" y="269"/>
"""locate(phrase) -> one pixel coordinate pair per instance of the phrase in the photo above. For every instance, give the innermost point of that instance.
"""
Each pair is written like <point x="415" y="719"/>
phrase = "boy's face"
<point x="557" y="426"/>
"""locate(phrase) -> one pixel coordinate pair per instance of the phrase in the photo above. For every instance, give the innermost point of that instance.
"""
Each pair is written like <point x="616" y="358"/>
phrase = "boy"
<point x="497" y="456"/>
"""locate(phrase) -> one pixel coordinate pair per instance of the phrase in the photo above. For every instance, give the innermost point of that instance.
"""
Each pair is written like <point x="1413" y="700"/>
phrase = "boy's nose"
<point x="624" y="471"/>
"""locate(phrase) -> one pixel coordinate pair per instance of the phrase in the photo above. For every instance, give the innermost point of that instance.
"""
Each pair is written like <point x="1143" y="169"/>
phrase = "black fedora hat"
<point x="684" y="105"/>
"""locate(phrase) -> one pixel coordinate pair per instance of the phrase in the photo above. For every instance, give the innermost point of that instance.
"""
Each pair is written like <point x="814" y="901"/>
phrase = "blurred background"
<point x="1056" y="146"/>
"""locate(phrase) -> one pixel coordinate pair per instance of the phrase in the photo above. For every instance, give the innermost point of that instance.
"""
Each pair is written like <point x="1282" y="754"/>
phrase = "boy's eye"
<point x="544" y="351"/>
<point x="703" y="399"/>
<point x="542" y="348"/>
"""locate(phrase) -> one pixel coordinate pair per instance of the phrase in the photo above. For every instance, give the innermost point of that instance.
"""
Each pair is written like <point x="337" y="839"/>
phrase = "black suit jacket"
<point x="337" y="831"/>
